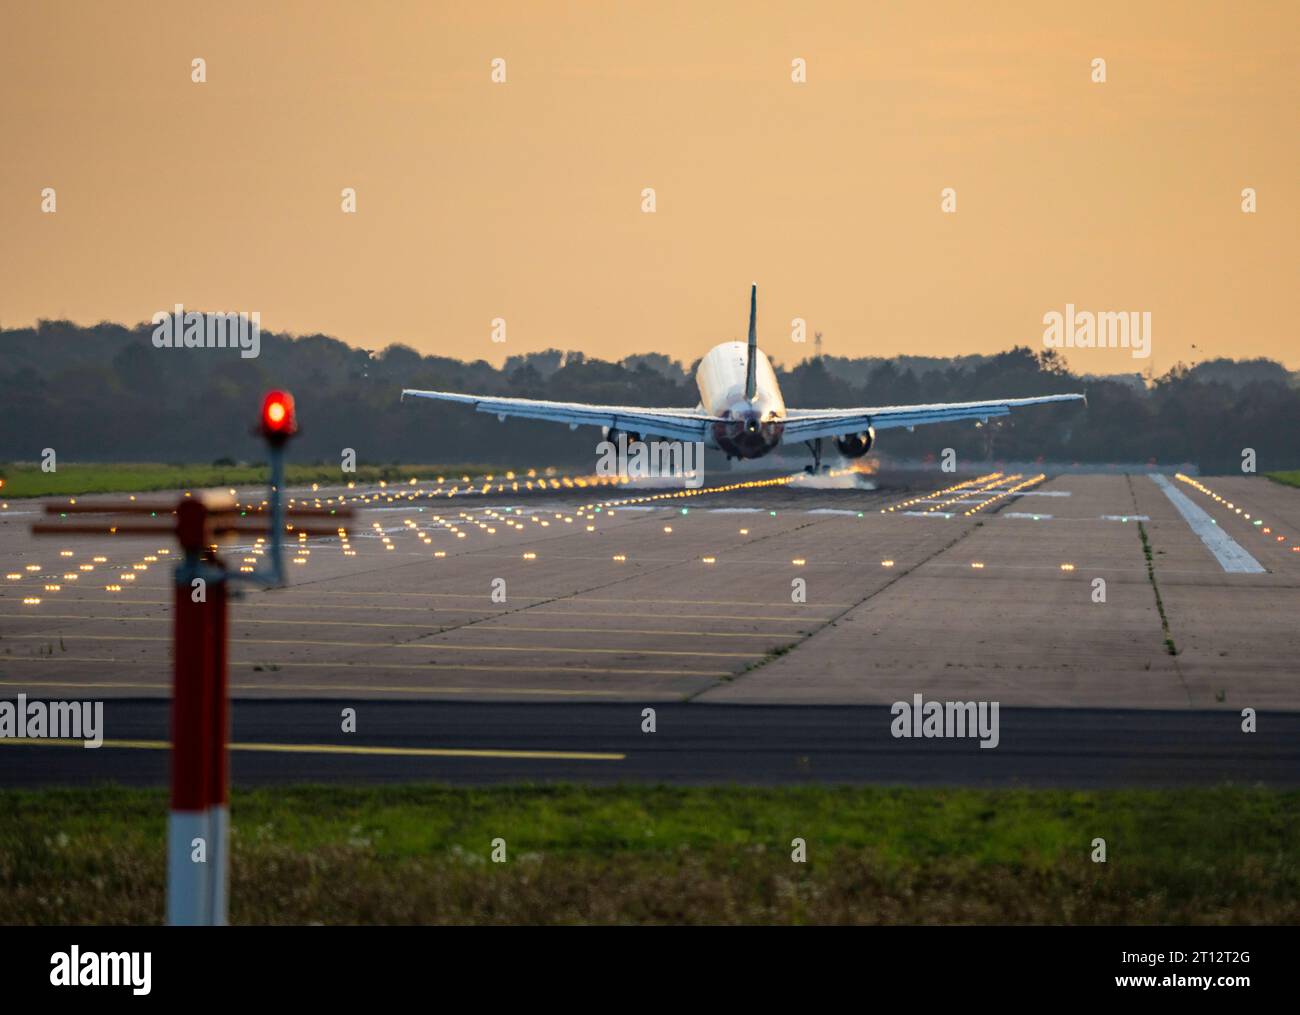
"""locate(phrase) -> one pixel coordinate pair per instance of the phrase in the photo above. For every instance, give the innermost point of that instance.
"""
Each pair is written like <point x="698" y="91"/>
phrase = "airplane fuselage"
<point x="753" y="426"/>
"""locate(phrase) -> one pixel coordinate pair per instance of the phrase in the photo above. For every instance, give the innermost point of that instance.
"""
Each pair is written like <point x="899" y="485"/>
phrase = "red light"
<point x="278" y="420"/>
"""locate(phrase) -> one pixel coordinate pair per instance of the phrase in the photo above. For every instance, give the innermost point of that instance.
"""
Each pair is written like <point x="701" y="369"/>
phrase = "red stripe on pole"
<point x="219" y="766"/>
<point x="191" y="702"/>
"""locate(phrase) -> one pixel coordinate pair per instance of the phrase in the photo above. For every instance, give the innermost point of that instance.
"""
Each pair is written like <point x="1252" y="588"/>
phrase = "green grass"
<point x="25" y="479"/>
<point x="1291" y="478"/>
<point x="420" y="854"/>
<point x="1170" y="647"/>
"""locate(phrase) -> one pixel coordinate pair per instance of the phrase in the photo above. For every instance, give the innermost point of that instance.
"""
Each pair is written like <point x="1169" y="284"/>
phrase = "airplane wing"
<point x="678" y="424"/>
<point x="809" y="424"/>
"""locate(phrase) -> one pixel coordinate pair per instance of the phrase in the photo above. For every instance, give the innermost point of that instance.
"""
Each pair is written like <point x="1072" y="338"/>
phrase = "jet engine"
<point x="855" y="445"/>
<point x="612" y="435"/>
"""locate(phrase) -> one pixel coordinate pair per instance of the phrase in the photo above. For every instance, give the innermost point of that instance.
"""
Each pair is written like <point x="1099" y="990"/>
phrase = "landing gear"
<point x="815" y="447"/>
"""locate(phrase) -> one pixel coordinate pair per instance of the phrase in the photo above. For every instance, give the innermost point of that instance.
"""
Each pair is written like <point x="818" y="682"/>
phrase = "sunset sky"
<point x="522" y="200"/>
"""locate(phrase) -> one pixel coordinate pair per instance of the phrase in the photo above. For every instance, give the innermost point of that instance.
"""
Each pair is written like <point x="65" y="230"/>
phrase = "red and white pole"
<point x="198" y="827"/>
<point x="218" y="768"/>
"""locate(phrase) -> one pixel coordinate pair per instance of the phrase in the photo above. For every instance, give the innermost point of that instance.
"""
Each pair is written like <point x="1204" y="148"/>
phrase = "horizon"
<point x="686" y="365"/>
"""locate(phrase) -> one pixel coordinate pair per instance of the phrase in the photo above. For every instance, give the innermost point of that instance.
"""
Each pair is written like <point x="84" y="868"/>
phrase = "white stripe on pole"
<point x="189" y="899"/>
<point x="218" y="863"/>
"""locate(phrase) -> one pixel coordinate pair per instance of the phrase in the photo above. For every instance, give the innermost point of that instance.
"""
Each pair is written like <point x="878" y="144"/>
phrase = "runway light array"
<point x="1258" y="523"/>
<point x="985" y="485"/>
<point x="932" y="494"/>
<point x="1010" y="491"/>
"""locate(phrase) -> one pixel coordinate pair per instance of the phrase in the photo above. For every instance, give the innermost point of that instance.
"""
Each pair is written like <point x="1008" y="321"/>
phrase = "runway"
<point x="981" y="586"/>
<point x="284" y="742"/>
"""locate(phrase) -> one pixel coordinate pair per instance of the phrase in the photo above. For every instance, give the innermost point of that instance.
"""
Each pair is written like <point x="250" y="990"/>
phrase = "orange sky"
<point x="523" y="200"/>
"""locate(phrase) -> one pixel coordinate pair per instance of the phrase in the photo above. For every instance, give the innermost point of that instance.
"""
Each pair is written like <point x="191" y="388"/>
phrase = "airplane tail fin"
<point x="751" y="357"/>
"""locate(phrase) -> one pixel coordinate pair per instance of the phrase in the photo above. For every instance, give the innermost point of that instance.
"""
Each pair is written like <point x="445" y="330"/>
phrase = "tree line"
<point x="105" y="393"/>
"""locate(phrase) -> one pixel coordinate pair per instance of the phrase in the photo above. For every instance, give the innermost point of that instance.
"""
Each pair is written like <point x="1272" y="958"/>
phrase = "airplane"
<point x="741" y="411"/>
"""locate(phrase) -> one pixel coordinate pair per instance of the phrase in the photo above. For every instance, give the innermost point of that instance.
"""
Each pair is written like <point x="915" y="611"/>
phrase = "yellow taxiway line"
<point x="401" y="752"/>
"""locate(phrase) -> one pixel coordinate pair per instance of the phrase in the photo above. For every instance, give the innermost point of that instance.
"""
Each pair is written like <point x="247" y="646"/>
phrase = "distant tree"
<point x="104" y="392"/>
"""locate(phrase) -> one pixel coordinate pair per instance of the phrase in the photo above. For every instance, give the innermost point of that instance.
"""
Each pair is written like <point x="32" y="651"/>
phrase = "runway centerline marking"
<point x="402" y="752"/>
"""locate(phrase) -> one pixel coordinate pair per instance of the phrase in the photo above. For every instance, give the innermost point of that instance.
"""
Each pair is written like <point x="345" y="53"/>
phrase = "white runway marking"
<point x="1024" y="514"/>
<point x="1230" y="554"/>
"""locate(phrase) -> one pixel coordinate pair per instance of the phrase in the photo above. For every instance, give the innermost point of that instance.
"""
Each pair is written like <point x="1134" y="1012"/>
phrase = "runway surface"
<point x="811" y="592"/>
<point x="478" y="743"/>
